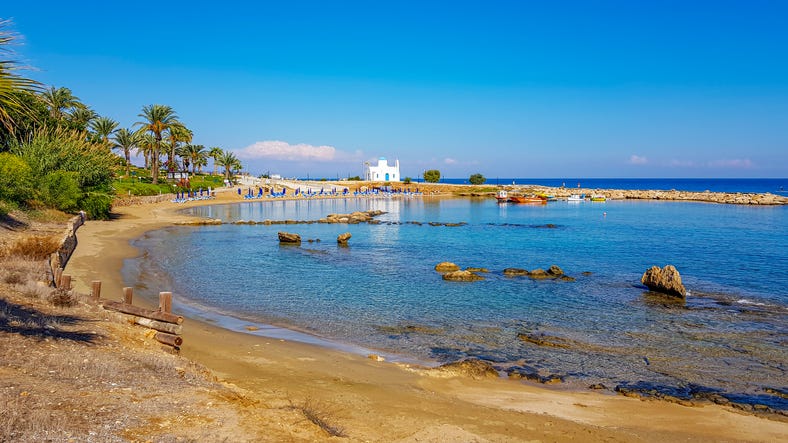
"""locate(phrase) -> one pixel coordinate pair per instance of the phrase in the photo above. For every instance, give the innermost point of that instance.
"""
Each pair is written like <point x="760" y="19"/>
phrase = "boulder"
<point x="287" y="237"/>
<point x="514" y="272"/>
<point x="446" y="266"/>
<point x="343" y="238"/>
<point x="539" y="274"/>
<point x="474" y="368"/>
<point x="472" y="269"/>
<point x="666" y="280"/>
<point x="555" y="270"/>
<point x="462" y="276"/>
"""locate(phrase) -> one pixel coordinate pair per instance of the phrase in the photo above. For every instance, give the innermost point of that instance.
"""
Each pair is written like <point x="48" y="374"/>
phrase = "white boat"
<point x="576" y="198"/>
<point x="502" y="196"/>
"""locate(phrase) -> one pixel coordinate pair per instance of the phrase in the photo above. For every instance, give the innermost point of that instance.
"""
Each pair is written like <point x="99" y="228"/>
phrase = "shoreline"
<point x="265" y="366"/>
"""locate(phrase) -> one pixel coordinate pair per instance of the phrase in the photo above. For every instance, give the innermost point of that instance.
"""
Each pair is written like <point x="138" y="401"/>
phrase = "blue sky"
<point x="507" y="89"/>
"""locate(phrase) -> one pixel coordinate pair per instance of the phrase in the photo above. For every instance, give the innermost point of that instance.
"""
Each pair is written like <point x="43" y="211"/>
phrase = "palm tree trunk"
<point x="154" y="169"/>
<point x="128" y="161"/>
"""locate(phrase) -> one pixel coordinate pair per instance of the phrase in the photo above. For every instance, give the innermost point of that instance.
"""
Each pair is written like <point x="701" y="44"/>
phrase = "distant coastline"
<point x="745" y="185"/>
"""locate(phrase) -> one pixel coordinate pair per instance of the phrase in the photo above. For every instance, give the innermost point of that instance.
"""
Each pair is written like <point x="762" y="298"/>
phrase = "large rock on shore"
<point x="666" y="280"/>
<point x="446" y="266"/>
<point x="287" y="237"/>
<point x="474" y="368"/>
<point x="462" y="276"/>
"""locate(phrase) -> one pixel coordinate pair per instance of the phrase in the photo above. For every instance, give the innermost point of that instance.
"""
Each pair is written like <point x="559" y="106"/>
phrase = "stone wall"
<point x="68" y="244"/>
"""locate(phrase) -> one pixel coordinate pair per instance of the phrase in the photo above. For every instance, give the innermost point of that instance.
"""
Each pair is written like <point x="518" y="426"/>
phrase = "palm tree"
<point x="145" y="146"/>
<point x="196" y="155"/>
<point x="103" y="127"/>
<point x="177" y="134"/>
<point x="215" y="152"/>
<point x="126" y="140"/>
<point x="230" y="162"/>
<point x="80" y="117"/>
<point x="201" y="162"/>
<point x="159" y="119"/>
<point x="10" y="83"/>
<point x="59" y="101"/>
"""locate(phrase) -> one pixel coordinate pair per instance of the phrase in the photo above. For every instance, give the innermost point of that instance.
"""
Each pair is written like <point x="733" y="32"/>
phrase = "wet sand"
<point x="383" y="401"/>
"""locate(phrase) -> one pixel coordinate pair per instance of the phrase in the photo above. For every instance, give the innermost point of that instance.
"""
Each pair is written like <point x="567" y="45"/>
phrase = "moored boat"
<point x="502" y="196"/>
<point x="598" y="198"/>
<point x="576" y="198"/>
<point x="528" y="199"/>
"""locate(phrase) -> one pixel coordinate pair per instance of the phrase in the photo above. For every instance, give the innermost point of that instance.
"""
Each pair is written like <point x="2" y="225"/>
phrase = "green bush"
<point x="96" y="205"/>
<point x="432" y="176"/>
<point x="477" y="179"/>
<point x="407" y="180"/>
<point x="15" y="178"/>
<point x="60" y="190"/>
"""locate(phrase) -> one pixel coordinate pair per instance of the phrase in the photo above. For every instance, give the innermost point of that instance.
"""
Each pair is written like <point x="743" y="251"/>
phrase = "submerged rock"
<point x="462" y="276"/>
<point x="287" y="237"/>
<point x="666" y="280"/>
<point x="446" y="266"/>
<point x="514" y="272"/>
<point x="471" y="269"/>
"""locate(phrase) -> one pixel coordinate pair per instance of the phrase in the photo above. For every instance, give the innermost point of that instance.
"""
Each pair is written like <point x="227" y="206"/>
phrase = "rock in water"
<point x="514" y="272"/>
<point x="555" y="270"/>
<point x="446" y="267"/>
<point x="476" y="369"/>
<point x="462" y="276"/>
<point x="666" y="280"/>
<point x="287" y="237"/>
<point x="343" y="238"/>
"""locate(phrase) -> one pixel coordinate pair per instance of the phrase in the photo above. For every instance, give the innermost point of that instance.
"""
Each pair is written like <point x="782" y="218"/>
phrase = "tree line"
<point x="55" y="151"/>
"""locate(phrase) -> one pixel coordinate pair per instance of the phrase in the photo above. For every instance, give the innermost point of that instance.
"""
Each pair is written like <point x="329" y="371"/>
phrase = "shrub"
<point x="60" y="190"/>
<point x="34" y="247"/>
<point x="97" y="206"/>
<point x="15" y="178"/>
<point x="406" y="180"/>
<point x="432" y="176"/>
<point x="477" y="179"/>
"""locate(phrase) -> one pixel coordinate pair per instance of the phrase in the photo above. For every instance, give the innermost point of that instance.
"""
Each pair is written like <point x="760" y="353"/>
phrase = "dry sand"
<point x="381" y="401"/>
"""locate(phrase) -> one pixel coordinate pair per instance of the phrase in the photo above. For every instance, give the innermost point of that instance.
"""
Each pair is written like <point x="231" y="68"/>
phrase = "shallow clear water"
<point x="382" y="293"/>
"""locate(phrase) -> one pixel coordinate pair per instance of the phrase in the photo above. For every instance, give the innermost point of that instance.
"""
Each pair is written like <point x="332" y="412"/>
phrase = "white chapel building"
<point x="383" y="172"/>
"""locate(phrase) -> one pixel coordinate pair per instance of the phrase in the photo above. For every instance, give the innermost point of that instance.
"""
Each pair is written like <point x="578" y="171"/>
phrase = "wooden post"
<point x="58" y="274"/>
<point x="128" y="294"/>
<point x="95" y="289"/>
<point x="165" y="302"/>
<point x="65" y="281"/>
<point x="142" y="312"/>
<point x="168" y="339"/>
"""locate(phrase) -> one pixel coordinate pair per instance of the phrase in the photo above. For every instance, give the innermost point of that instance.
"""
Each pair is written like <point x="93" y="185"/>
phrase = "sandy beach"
<point x="382" y="401"/>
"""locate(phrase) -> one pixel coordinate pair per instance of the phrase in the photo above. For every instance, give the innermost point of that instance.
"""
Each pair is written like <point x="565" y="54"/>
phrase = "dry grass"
<point x="34" y="247"/>
<point x="62" y="297"/>
<point x="321" y="416"/>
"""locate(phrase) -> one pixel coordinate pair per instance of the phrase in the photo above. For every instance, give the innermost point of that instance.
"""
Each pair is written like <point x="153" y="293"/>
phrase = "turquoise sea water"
<point x="729" y="337"/>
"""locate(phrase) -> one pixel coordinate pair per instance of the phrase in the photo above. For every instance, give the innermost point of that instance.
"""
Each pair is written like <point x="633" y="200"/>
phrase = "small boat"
<point x="598" y="198"/>
<point x="528" y="199"/>
<point x="576" y="198"/>
<point x="548" y="197"/>
<point x="502" y="196"/>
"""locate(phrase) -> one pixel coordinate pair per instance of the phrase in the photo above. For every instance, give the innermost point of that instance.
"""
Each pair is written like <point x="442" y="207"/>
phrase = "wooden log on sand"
<point x="159" y="325"/>
<point x="168" y="339"/>
<point x="142" y="312"/>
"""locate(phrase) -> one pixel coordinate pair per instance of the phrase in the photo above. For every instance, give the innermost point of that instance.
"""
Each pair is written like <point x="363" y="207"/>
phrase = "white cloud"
<point x="637" y="160"/>
<point x="736" y="163"/>
<point x="279" y="150"/>
<point x="682" y="163"/>
<point x="449" y="161"/>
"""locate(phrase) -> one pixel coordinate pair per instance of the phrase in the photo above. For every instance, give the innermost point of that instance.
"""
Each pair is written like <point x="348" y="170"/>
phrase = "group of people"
<point x="191" y="195"/>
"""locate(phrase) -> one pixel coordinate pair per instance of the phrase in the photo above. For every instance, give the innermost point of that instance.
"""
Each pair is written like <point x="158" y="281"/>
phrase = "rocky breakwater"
<point x="352" y="218"/>
<point x="732" y="198"/>
<point x="666" y="281"/>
